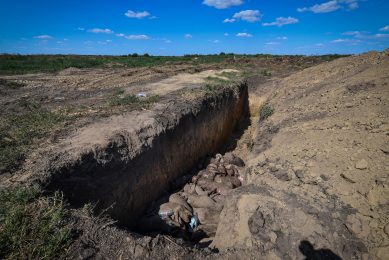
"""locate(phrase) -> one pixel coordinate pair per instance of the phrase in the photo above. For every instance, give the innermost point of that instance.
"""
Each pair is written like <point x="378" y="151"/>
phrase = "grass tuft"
<point x="212" y="84"/>
<point x="266" y="111"/>
<point x="18" y="132"/>
<point x="31" y="226"/>
<point x="6" y="84"/>
<point x="266" y="73"/>
<point x="132" y="101"/>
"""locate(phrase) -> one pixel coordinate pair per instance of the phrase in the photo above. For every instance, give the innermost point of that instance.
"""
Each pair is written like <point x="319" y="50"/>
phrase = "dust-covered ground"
<point x="315" y="181"/>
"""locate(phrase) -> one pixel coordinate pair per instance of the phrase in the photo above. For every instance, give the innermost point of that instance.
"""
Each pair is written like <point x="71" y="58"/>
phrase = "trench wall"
<point x="127" y="186"/>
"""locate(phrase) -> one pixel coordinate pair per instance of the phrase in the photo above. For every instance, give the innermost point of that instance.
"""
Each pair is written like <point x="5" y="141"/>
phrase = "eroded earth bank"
<point x="227" y="167"/>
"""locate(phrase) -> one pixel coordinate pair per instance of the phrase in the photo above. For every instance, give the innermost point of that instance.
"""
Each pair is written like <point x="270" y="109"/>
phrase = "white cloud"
<point x="98" y="30"/>
<point x="43" y="37"/>
<point x="282" y="38"/>
<point x="250" y="16"/>
<point x="138" y="15"/>
<point x="272" y="43"/>
<point x="352" y="33"/>
<point x="222" y="4"/>
<point x="382" y="35"/>
<point x="366" y="35"/>
<point x="385" y="28"/>
<point x="120" y="34"/>
<point x="214" y="41"/>
<point x="81" y="28"/>
<point x="137" y="37"/>
<point x="321" y="8"/>
<point x="104" y="42"/>
<point x="353" y="6"/>
<point x="281" y="21"/>
<point x="331" y="6"/>
<point x="226" y="34"/>
<point x="319" y="44"/>
<point x="167" y="41"/>
<point x="229" y="20"/>
<point x="352" y="41"/>
<point x="188" y="36"/>
<point x="340" y="40"/>
<point x="359" y="34"/>
<point x="244" y="35"/>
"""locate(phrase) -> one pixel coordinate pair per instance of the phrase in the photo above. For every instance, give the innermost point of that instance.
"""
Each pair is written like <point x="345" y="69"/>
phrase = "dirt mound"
<point x="318" y="165"/>
<point x="277" y="222"/>
<point x="69" y="71"/>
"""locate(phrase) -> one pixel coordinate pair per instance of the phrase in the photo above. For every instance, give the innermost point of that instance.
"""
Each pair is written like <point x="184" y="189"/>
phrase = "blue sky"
<point x="177" y="27"/>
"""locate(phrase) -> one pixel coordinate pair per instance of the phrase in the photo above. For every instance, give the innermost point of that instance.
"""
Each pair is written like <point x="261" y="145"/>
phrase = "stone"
<point x="361" y="164"/>
<point x="273" y="167"/>
<point x="385" y="148"/>
<point x="273" y="237"/>
<point x="299" y="171"/>
<point x="360" y="227"/>
<point x="386" y="229"/>
<point x="259" y="171"/>
<point x="282" y="175"/>
<point x="262" y="163"/>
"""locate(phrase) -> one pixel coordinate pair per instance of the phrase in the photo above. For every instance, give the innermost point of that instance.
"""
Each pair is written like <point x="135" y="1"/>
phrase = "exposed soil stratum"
<point x="314" y="183"/>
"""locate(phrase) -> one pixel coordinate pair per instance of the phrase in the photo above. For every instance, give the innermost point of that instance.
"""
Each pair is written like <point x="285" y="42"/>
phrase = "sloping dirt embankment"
<point x="318" y="171"/>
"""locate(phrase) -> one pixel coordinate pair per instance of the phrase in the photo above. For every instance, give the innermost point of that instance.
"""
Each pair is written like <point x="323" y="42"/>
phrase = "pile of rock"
<point x="193" y="212"/>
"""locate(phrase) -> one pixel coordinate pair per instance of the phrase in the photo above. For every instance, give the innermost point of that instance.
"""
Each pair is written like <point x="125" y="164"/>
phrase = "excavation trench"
<point x="129" y="175"/>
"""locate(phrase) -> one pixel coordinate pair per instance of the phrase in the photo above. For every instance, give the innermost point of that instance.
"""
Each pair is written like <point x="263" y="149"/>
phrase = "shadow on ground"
<point x="310" y="253"/>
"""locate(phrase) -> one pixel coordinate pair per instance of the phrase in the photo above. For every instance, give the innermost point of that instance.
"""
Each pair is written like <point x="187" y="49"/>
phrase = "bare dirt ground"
<point x="316" y="174"/>
<point x="85" y="91"/>
<point x="318" y="167"/>
<point x="83" y="96"/>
